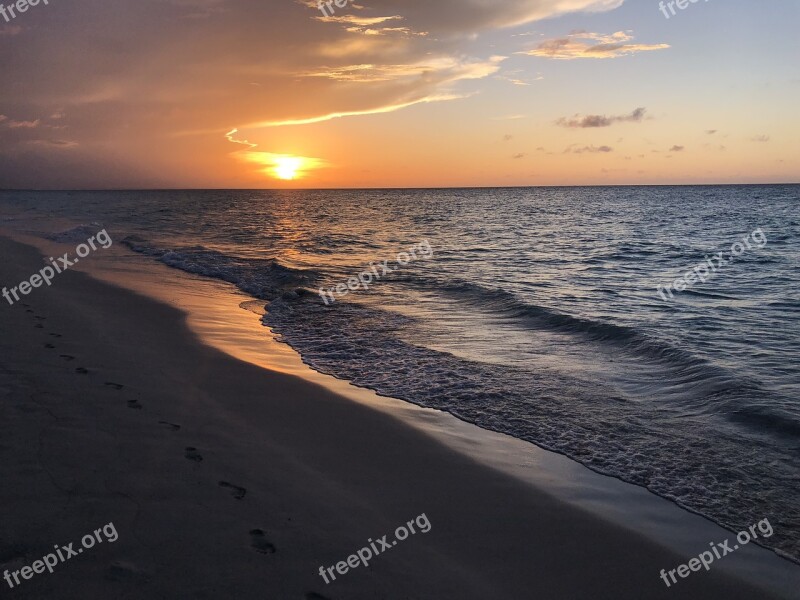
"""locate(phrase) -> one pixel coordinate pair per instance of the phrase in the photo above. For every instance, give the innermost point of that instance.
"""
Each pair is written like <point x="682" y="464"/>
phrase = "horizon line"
<point x="326" y="189"/>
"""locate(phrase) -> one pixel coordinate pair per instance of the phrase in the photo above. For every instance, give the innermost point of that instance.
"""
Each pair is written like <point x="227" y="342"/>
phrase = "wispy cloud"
<point x="360" y="21"/>
<point x="588" y="149"/>
<point x="354" y="113"/>
<point x="447" y="69"/>
<point x="519" y="77"/>
<point x="590" y="121"/>
<point x="230" y="138"/>
<point x="371" y="25"/>
<point x="434" y="73"/>
<point x="446" y="17"/>
<point x="583" y="44"/>
<point x="10" y="30"/>
<point x="24" y="124"/>
<point x="60" y="144"/>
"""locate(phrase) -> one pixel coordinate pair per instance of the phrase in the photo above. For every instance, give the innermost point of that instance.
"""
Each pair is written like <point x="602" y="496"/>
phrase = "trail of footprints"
<point x="258" y="540"/>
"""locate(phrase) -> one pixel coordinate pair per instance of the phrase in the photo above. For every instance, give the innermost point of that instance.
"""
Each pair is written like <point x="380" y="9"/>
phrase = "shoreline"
<point x="325" y="430"/>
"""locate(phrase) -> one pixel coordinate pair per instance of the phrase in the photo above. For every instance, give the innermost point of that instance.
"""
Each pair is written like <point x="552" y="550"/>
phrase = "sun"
<point x="286" y="167"/>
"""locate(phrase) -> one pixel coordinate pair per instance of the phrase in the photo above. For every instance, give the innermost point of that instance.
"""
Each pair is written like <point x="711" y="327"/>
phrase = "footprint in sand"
<point x="49" y="346"/>
<point x="191" y="454"/>
<point x="55" y="335"/>
<point x="29" y="311"/>
<point x="236" y="491"/>
<point x="38" y="326"/>
<point x="12" y="552"/>
<point x="40" y="318"/>
<point x="67" y="357"/>
<point x="82" y="371"/>
<point x="134" y="404"/>
<point x="170" y="425"/>
<point x="116" y="386"/>
<point x="260" y="543"/>
<point x="316" y="596"/>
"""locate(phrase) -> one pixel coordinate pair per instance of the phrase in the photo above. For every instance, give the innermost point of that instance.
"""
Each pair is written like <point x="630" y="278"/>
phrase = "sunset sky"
<point x="390" y="93"/>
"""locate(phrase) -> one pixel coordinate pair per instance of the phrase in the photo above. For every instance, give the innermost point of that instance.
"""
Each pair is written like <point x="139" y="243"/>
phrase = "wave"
<point x="266" y="279"/>
<point x="75" y="235"/>
<point x="687" y="368"/>
<point x="715" y="296"/>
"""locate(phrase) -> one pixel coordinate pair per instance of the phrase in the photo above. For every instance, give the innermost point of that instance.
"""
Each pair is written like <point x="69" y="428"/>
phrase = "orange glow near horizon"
<point x="284" y="167"/>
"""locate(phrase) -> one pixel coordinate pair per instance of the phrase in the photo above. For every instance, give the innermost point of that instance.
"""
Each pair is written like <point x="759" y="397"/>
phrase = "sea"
<point x="541" y="313"/>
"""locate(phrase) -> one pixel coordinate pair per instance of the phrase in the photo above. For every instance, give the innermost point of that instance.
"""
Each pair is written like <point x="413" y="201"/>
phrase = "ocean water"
<point x="537" y="314"/>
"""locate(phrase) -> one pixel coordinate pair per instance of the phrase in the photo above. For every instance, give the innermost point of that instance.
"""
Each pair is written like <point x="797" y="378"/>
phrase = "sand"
<point x="226" y="480"/>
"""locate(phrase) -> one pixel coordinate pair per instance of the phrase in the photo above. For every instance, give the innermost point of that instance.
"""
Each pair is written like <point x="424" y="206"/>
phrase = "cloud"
<point x="590" y="121"/>
<point x="360" y="21"/>
<point x="10" y="30"/>
<point x="711" y="131"/>
<point x="512" y="77"/>
<point x="353" y="113"/>
<point x="760" y="138"/>
<point x="582" y="44"/>
<point x="367" y="25"/>
<point x="432" y="74"/>
<point x="27" y="135"/>
<point x="520" y="155"/>
<point x="589" y="149"/>
<point x="441" y="70"/>
<point x="65" y="144"/>
<point x="448" y="17"/>
<point x="24" y="124"/>
<point x="677" y="149"/>
<point x="230" y="138"/>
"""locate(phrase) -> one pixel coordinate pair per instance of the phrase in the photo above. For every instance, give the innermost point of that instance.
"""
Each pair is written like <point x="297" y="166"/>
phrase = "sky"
<point x="106" y="94"/>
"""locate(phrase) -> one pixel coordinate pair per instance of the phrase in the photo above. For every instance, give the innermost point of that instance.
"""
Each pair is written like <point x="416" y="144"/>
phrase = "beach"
<point x="225" y="480"/>
<point x="399" y="300"/>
